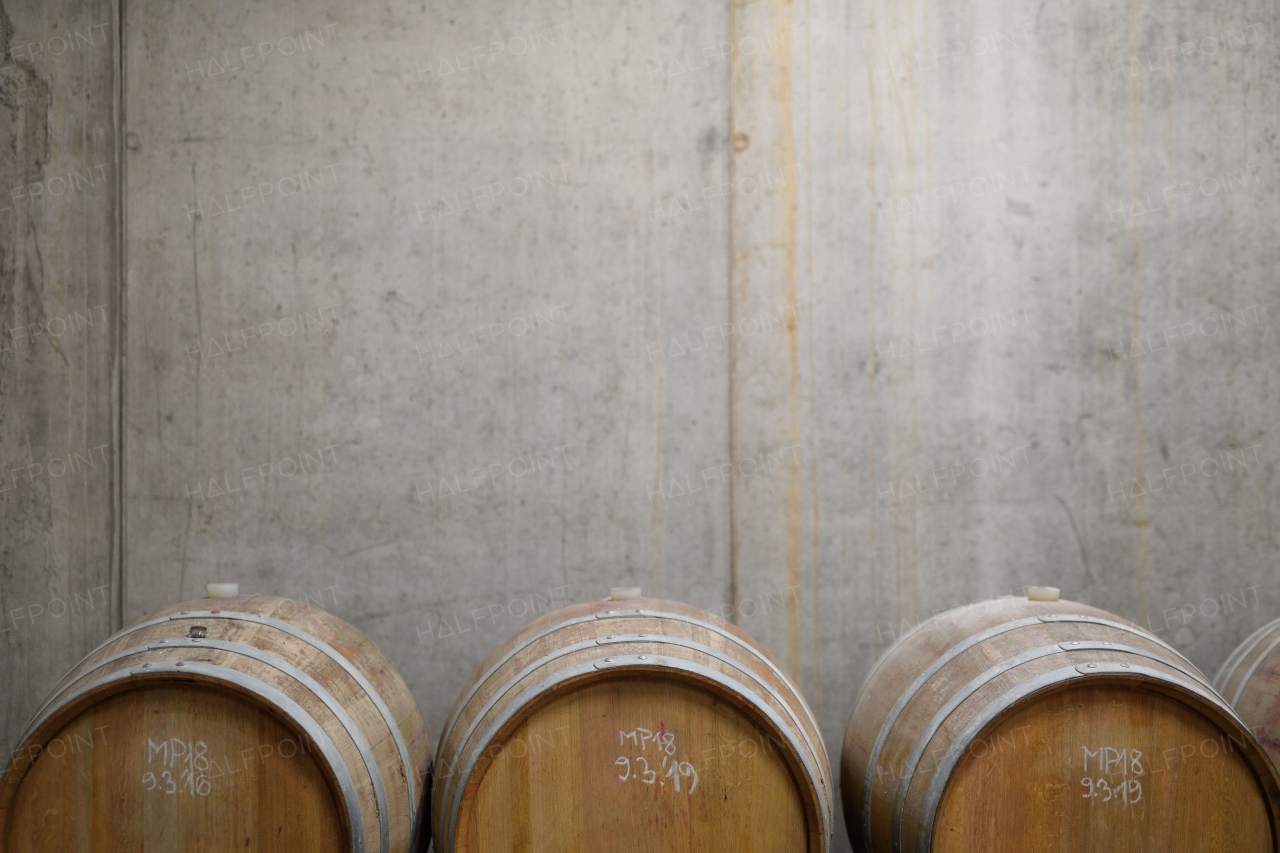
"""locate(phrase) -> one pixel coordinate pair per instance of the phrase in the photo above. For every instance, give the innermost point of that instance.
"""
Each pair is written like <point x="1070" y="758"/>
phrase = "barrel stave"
<point x="600" y="629"/>
<point x="1253" y="658"/>
<point x="923" y="701"/>
<point x="589" y="609"/>
<point x="333" y="680"/>
<point x="1250" y="681"/>
<point x="927" y="643"/>
<point x="513" y="679"/>
<point x="345" y="638"/>
<point x="265" y="639"/>
<point x="956" y="722"/>
<point x="994" y="653"/>
<point x="1229" y="666"/>
<point x="451" y="751"/>
<point x="287" y="657"/>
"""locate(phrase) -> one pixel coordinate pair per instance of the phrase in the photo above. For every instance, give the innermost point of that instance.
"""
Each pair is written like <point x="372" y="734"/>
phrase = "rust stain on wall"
<point x="739" y="254"/>
<point x="789" y="210"/>
<point x="1142" y="531"/>
<point x="815" y="541"/>
<point x="872" y="403"/>
<point x="656" y="506"/>
<point x="760" y="118"/>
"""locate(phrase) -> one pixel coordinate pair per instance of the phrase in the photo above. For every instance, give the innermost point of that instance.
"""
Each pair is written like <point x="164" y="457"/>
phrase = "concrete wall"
<point x="995" y="200"/>
<point x="59" y="344"/>
<point x="440" y="400"/>
<point x="825" y="316"/>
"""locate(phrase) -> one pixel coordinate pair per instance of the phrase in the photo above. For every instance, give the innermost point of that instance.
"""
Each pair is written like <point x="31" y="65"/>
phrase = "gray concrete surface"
<point x="824" y="316"/>
<point x="59" y="344"/>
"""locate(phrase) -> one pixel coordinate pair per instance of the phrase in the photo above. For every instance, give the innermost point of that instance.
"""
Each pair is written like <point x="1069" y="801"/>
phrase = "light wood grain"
<point x="566" y="772"/>
<point x="1205" y="800"/>
<point x="257" y="802"/>
<point x="1019" y="781"/>
<point x="259" y="782"/>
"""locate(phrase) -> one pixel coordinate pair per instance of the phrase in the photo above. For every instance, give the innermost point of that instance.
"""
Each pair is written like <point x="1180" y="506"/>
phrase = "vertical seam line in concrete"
<point x="813" y="373"/>
<point x="732" y="371"/>
<point x="119" y="574"/>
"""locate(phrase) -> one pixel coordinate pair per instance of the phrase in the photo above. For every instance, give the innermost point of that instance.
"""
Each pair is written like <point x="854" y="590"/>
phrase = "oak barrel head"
<point x="1105" y="766"/>
<point x="245" y="723"/>
<point x="175" y="765"/>
<point x="1018" y="725"/>
<point x="654" y="726"/>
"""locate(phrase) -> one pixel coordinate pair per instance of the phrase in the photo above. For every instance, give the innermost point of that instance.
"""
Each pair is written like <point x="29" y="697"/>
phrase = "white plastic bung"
<point x="623" y="593"/>
<point x="223" y="590"/>
<point x="1043" y="593"/>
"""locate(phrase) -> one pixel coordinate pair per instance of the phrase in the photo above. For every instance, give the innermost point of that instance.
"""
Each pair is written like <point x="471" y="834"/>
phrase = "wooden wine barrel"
<point x="1250" y="681"/>
<point x="1016" y="725"/>
<point x="640" y="725"/>
<point x="250" y="723"/>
